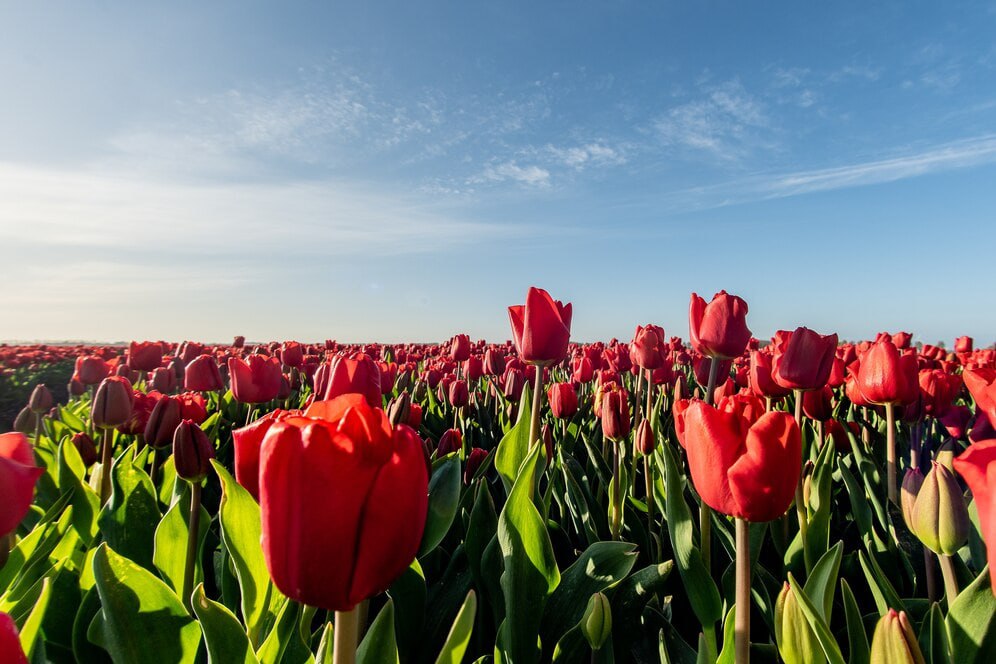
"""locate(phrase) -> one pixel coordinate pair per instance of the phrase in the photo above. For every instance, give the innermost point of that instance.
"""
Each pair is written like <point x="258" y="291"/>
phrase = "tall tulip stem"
<point x="617" y="490"/>
<point x="800" y="499"/>
<point x="741" y="619"/>
<point x="346" y="636"/>
<point x="105" y="465"/>
<point x="193" y="528"/>
<point x="534" y="424"/>
<point x="950" y="578"/>
<point x="890" y="451"/>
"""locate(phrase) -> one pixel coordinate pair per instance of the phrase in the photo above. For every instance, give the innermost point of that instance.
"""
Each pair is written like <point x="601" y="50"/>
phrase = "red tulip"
<point x="112" y="403"/>
<point x="18" y="474"/>
<point x="163" y="421"/>
<point x="255" y="380"/>
<point x="541" y="328"/>
<point x="86" y="448"/>
<point x="162" y="380"/>
<point x="474" y="461"/>
<point x="614" y="412"/>
<point x="977" y="465"/>
<point x="804" y="361"/>
<point x="583" y="370"/>
<point x="247" y="442"/>
<point x="494" y="362"/>
<point x="340" y="475"/>
<point x="192" y="452"/>
<point x="718" y="329"/>
<point x="818" y="404"/>
<point x="145" y="355"/>
<point x="981" y="383"/>
<point x="10" y="643"/>
<point x="678" y="411"/>
<point x="451" y="441"/>
<point x="649" y="349"/>
<point x="40" y="400"/>
<point x="885" y="376"/>
<point x="740" y="466"/>
<point x="939" y="391"/>
<point x="563" y="400"/>
<point x="202" y="374"/>
<point x="359" y="374"/>
<point x="192" y="407"/>
<point x="955" y="421"/>
<point x="292" y="354"/>
<point x="458" y="393"/>
<point x="964" y="344"/>
<point x="761" y="383"/>
<point x="91" y="369"/>
<point x="473" y="368"/>
<point x="460" y="348"/>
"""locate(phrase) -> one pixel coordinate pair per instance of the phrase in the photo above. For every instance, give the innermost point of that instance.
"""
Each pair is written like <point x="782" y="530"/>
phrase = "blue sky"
<point x="404" y="171"/>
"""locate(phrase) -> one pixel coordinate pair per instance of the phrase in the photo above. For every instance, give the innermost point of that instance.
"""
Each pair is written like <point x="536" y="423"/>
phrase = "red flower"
<point x="145" y="355"/>
<point x="10" y="643"/>
<point x="977" y="465"/>
<point x="341" y="475"/>
<point x="256" y="380"/>
<point x="460" y="348"/>
<point x="761" y="383"/>
<point x="885" y="376"/>
<point x="563" y="400"/>
<point x="649" y="348"/>
<point x="292" y="354"/>
<point x="939" y="390"/>
<point x="91" y="369"/>
<point x="18" y="474"/>
<point x="818" y="404"/>
<point x="981" y="383"/>
<point x="359" y="375"/>
<point x="740" y="466"/>
<point x="964" y="344"/>
<point x="202" y="374"/>
<point x="718" y="329"/>
<point x="112" y="403"/>
<point x="804" y="360"/>
<point x="541" y="328"/>
<point x="247" y="442"/>
<point x="614" y="412"/>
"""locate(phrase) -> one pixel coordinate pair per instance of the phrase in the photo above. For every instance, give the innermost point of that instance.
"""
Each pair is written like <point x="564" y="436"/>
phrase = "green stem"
<point x="105" y="466"/>
<point x="950" y="579"/>
<point x="617" y="491"/>
<point x="193" y="529"/>
<point x="346" y="636"/>
<point x="534" y="424"/>
<point x="741" y="618"/>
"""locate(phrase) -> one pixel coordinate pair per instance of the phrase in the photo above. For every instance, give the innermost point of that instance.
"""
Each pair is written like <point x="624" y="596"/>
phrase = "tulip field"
<point x="685" y="496"/>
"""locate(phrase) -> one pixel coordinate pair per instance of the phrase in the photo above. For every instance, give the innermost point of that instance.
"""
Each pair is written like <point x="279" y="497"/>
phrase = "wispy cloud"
<point x="531" y="175"/>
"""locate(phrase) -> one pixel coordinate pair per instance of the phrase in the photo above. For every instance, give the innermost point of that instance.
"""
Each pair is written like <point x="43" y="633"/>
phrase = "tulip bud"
<point x="474" y="461"/>
<point x="795" y="638"/>
<point x="192" y="452"/>
<point x="163" y="421"/>
<point x="894" y="641"/>
<point x="596" y="625"/>
<point x="940" y="517"/>
<point x="86" y="448"/>
<point x="945" y="455"/>
<point x="26" y="421"/>
<point x="547" y="435"/>
<point x="399" y="408"/>
<point x="415" y="416"/>
<point x="41" y="399"/>
<point x="450" y="441"/>
<point x="615" y="414"/>
<point x="75" y="388"/>
<point x="458" y="393"/>
<point x="420" y="391"/>
<point x="807" y="482"/>
<point x="912" y="482"/>
<point x="112" y="403"/>
<point x="646" y="440"/>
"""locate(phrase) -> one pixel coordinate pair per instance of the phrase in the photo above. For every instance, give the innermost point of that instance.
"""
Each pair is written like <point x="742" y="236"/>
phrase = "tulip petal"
<point x="763" y="480"/>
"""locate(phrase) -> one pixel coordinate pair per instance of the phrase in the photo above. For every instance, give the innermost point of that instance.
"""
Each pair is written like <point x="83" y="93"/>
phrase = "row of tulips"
<point x="518" y="502"/>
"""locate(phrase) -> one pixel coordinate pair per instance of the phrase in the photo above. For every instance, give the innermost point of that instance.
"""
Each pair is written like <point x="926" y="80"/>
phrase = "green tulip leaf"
<point x="128" y="520"/>
<point x="933" y="637"/>
<point x="223" y="633"/>
<point x="283" y="643"/>
<point x="823" y="635"/>
<point x="857" y="638"/>
<point x="822" y="580"/>
<point x="514" y="445"/>
<point x="459" y="637"/>
<point x="170" y="553"/>
<point x="32" y="625"/>
<point x="86" y="503"/>
<point x="971" y="623"/>
<point x="379" y="646"/>
<point x="444" y="499"/>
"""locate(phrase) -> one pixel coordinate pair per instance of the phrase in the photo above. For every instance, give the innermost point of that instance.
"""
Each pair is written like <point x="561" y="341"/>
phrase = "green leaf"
<point x="933" y="637"/>
<point x="822" y="580"/>
<point x="601" y="566"/>
<point x="86" y="503"/>
<point x="702" y="591"/>
<point x="324" y="653"/>
<point x="444" y="498"/>
<point x="857" y="638"/>
<point x="140" y="620"/>
<point x="379" y="646"/>
<point x="223" y="633"/>
<point x="827" y="643"/>
<point x="128" y="521"/>
<point x="170" y="552"/>
<point x="819" y="507"/>
<point x="971" y="623"/>
<point x="31" y="626"/>
<point x="480" y="532"/>
<point x="409" y="595"/>
<point x="240" y="532"/>
<point x="728" y="654"/>
<point x="531" y="572"/>
<point x="459" y="637"/>
<point x="885" y="595"/>
<point x="284" y="640"/>
<point x="514" y="445"/>
<point x="89" y="609"/>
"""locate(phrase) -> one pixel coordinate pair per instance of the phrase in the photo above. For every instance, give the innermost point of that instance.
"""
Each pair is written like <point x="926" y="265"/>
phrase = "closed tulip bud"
<point x="494" y="362"/>
<point x="41" y="399"/>
<point x="940" y="517"/>
<point x="649" y="349"/>
<point x="192" y="452"/>
<point x="514" y="382"/>
<point x="719" y="328"/>
<point x="460" y="348"/>
<point x="646" y="441"/>
<point x="804" y="360"/>
<point x="85" y="446"/>
<point x="112" y="403"/>
<point x="145" y="355"/>
<point x="162" y="380"/>
<point x="397" y="410"/>
<point x="285" y="388"/>
<point x="91" y="369"/>
<point x="420" y="391"/>
<point x="292" y="354"/>
<point x="75" y="388"/>
<point x="255" y="380"/>
<point x="818" y="404"/>
<point x="26" y="421"/>
<point x="239" y="342"/>
<point x="894" y="641"/>
<point x="458" y="393"/>
<point x="563" y="400"/>
<point x="359" y="374"/>
<point x="615" y="414"/>
<point x="796" y="640"/>
<point x="451" y="441"/>
<point x="163" y="421"/>
<point x="415" y="416"/>
<point x="596" y="624"/>
<point x="964" y="344"/>
<point x="885" y="376"/>
<point x="124" y="371"/>
<point x="541" y="328"/>
<point x="474" y="461"/>
<point x="912" y="481"/>
<point x="759" y="377"/>
<point x="945" y="455"/>
<point x="547" y="435"/>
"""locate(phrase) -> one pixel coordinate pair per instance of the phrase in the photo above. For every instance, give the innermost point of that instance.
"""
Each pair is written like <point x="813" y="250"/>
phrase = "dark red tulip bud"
<point x="964" y="344"/>
<point x="415" y="416"/>
<point x="112" y="403"/>
<point x="398" y="409"/>
<point x="163" y="421"/>
<point x="474" y="461"/>
<point x="203" y="375"/>
<point x="646" y="440"/>
<point x="239" y="342"/>
<point x="460" y="348"/>
<point x="514" y="382"/>
<point x="804" y="359"/>
<point x="86" y="448"/>
<point x="192" y="452"/>
<point x="547" y="435"/>
<point x="649" y="349"/>
<point x="458" y="393"/>
<point x="473" y="368"/>
<point x="563" y="400"/>
<point x="450" y="441"/>
<point x="91" y="369"/>
<point x="26" y="421"/>
<point x="494" y="362"/>
<point x="41" y="399"/>
<point x="75" y="388"/>
<point x="886" y="376"/>
<point x="292" y="354"/>
<point x="162" y="380"/>
<point x="615" y="414"/>
<point x="818" y="404"/>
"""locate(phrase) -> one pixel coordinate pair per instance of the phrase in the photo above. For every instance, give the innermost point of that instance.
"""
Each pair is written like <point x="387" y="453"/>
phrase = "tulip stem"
<point x="741" y="617"/>
<point x="346" y="636"/>
<point x="928" y="572"/>
<point x="534" y="424"/>
<point x="105" y="466"/>
<point x="38" y="427"/>
<point x="648" y="476"/>
<point x="950" y="579"/>
<point x="800" y="500"/>
<point x="890" y="452"/>
<point x="193" y="528"/>
<point x="617" y="491"/>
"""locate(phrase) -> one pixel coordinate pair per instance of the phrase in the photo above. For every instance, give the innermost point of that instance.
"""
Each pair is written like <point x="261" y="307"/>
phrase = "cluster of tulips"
<point x="515" y="502"/>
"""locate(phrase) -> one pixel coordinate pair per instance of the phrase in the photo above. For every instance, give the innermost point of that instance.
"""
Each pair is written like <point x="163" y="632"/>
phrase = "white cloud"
<point x="531" y="175"/>
<point x="582" y="156"/>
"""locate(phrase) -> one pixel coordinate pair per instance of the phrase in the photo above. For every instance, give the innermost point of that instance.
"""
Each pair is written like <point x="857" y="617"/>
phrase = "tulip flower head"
<point x="719" y="328"/>
<point x="977" y="465"/>
<point x="541" y="328"/>
<point x="18" y="474"/>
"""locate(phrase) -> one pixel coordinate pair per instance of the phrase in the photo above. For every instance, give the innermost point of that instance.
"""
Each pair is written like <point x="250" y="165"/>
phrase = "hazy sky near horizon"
<point x="404" y="171"/>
